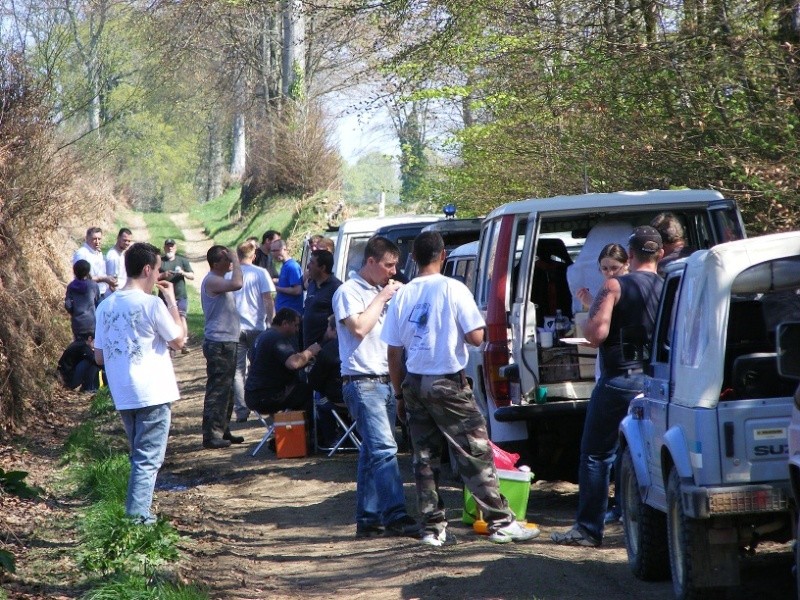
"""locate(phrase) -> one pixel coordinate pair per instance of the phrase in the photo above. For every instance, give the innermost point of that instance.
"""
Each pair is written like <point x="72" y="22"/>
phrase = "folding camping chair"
<point x="348" y="429"/>
<point x="270" y="430"/>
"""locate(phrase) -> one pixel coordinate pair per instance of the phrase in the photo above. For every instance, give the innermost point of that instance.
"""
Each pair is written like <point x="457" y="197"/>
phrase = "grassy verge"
<point x="120" y="558"/>
<point x="222" y="220"/>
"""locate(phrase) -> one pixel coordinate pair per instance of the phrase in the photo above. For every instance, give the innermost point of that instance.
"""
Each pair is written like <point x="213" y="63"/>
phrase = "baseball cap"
<point x="645" y="239"/>
<point x="169" y="242"/>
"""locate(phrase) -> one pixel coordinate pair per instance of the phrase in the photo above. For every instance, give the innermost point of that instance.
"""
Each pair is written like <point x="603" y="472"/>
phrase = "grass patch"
<point x="223" y="222"/>
<point x="112" y="542"/>
<point x="102" y="403"/>
<point x="137" y="587"/>
<point x="161" y="227"/>
<point x="85" y="443"/>
<point x="105" y="479"/>
<point x="218" y="214"/>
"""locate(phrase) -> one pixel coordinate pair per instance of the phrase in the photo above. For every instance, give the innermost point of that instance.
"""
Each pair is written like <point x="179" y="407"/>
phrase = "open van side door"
<point x="523" y="310"/>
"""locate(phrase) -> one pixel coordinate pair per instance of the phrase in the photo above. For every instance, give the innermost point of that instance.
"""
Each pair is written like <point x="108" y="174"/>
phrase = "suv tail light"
<point x="495" y="355"/>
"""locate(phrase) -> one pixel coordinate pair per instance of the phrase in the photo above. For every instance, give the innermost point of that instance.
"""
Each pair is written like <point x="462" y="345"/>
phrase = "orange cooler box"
<point x="290" y="434"/>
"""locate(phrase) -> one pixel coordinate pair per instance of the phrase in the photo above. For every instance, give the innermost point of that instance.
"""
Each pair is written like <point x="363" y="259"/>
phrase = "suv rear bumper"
<point x="531" y="412"/>
<point x="705" y="502"/>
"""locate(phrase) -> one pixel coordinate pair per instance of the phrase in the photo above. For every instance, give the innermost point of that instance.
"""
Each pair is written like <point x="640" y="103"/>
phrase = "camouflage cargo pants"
<point x="439" y="405"/>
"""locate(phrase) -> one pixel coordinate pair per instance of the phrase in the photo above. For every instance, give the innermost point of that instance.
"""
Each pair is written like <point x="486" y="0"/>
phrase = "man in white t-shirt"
<point x="360" y="306"/>
<point x="115" y="257"/>
<point x="91" y="253"/>
<point x="134" y="332"/>
<point x="256" y="310"/>
<point x="431" y="319"/>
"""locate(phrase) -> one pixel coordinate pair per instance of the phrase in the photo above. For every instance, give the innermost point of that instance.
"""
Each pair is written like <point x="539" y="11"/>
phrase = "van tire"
<point x="645" y="528"/>
<point x="685" y="537"/>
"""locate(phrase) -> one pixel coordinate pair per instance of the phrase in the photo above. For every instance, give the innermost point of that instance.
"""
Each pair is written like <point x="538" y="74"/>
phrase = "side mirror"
<point x="789" y="349"/>
<point x="635" y="345"/>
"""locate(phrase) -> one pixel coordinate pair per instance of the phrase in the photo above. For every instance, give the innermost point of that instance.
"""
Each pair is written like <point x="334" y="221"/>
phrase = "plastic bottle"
<point x="562" y="325"/>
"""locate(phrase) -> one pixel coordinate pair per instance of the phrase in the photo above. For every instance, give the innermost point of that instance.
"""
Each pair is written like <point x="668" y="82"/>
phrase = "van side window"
<point x="518" y="243"/>
<point x="488" y="249"/>
<point x="666" y="326"/>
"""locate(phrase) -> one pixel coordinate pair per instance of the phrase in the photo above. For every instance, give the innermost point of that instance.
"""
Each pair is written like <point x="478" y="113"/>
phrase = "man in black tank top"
<point x="629" y="300"/>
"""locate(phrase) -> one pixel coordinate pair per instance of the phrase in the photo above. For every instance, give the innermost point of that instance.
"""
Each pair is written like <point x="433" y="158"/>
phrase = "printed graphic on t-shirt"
<point x="118" y="343"/>
<point x="419" y="314"/>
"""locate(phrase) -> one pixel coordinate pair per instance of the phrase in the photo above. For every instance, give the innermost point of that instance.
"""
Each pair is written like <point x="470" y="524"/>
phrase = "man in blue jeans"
<point x="627" y="301"/>
<point x="135" y="331"/>
<point x="360" y="308"/>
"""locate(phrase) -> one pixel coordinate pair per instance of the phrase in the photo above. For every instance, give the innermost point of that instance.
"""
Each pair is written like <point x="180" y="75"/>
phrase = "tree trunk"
<point x="239" y="146"/>
<point x="215" y="163"/>
<point x="293" y="52"/>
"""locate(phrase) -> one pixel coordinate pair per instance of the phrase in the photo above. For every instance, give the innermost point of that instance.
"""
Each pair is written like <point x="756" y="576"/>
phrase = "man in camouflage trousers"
<point x="431" y="319"/>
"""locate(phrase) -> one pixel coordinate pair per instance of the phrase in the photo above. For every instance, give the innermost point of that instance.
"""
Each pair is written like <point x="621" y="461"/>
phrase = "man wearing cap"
<point x="627" y="301"/>
<point x="177" y="269"/>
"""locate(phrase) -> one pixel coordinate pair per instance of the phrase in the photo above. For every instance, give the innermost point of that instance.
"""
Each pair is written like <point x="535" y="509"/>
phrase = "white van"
<point x="533" y="255"/>
<point x="353" y="235"/>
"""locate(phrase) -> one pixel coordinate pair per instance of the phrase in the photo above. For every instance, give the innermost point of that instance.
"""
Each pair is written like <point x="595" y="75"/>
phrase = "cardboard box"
<point x="290" y="434"/>
<point x="514" y="485"/>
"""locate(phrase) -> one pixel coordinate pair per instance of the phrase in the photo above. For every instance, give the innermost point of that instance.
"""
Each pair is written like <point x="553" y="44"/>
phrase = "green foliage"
<point x="113" y="542"/>
<point x="158" y="163"/>
<point x="137" y="587"/>
<point x="105" y="479"/>
<point x="560" y="101"/>
<point x="7" y="564"/>
<point x="13" y="482"/>
<point x="102" y="402"/>
<point x="372" y="174"/>
<point x="85" y="443"/>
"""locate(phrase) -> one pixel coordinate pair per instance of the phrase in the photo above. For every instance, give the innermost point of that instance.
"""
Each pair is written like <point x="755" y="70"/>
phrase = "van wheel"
<point x="645" y="528"/>
<point x="685" y="536"/>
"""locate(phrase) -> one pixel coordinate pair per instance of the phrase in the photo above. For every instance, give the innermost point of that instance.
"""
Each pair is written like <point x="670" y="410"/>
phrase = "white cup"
<point x="545" y="339"/>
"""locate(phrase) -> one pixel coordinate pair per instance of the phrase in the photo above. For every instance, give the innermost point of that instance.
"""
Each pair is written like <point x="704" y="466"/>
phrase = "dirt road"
<point x="259" y="527"/>
<point x="267" y="528"/>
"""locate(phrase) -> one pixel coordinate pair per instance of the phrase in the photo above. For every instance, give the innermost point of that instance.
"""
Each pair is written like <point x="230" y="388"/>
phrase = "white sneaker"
<point x="514" y="532"/>
<point x="431" y="538"/>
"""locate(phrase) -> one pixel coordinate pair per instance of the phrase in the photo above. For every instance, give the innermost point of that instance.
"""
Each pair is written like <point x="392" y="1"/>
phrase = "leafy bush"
<point x="138" y="587"/>
<point x="292" y="154"/>
<point x="112" y="542"/>
<point x="13" y="482"/>
<point x="7" y="564"/>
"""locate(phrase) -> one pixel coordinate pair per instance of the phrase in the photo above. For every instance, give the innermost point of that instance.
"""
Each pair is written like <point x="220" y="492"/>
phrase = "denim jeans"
<point x="86" y="375"/>
<point x="147" y="430"/>
<point x="247" y="339"/>
<point x="607" y="407"/>
<point x="218" y="402"/>
<point x="379" y="487"/>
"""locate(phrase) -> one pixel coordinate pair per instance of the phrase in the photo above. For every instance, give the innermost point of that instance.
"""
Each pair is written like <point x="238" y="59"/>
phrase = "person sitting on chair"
<point x="76" y="367"/>
<point x="273" y="382"/>
<point x="325" y="377"/>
